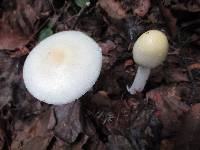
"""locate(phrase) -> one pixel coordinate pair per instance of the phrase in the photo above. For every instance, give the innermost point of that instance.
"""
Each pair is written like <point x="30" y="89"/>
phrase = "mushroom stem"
<point x="140" y="80"/>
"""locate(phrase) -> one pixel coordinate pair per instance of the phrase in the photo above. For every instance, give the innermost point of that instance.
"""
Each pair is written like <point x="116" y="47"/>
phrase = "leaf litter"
<point x="165" y="116"/>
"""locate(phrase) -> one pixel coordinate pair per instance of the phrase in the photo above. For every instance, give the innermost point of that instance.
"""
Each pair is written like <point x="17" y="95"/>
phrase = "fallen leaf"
<point x="101" y="100"/>
<point x="113" y="8"/>
<point x="52" y="121"/>
<point x="37" y="143"/>
<point x="78" y="145"/>
<point x="11" y="38"/>
<point x="33" y="134"/>
<point x="170" y="19"/>
<point x="95" y="143"/>
<point x="111" y="86"/>
<point x="108" y="61"/>
<point x="117" y="142"/>
<point x="194" y="66"/>
<point x="2" y="137"/>
<point x="25" y="103"/>
<point x="107" y="46"/>
<point x="191" y="6"/>
<point x="128" y="63"/>
<point x="18" y="25"/>
<point x="68" y="121"/>
<point x="177" y="75"/>
<point x="143" y="7"/>
<point x="168" y="103"/>
<point x="19" y="52"/>
<point x="167" y="144"/>
<point x="189" y="133"/>
<point x="8" y="76"/>
<point x="60" y="145"/>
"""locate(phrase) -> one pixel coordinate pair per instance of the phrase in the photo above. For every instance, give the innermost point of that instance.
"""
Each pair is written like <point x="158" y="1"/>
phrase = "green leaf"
<point x="82" y="3"/>
<point x="45" y="32"/>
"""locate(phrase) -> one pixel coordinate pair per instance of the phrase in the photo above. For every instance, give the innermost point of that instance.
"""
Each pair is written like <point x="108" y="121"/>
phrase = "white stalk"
<point x="140" y="80"/>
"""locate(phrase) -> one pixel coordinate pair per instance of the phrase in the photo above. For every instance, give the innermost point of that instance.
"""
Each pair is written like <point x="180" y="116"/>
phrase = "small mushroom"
<point x="62" y="67"/>
<point x="149" y="51"/>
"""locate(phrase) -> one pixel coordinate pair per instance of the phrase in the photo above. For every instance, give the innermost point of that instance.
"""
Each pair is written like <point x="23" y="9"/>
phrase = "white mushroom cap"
<point x="150" y="49"/>
<point x="62" y="67"/>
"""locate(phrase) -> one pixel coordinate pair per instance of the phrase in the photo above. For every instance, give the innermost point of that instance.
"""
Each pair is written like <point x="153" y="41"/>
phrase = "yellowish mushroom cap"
<point x="150" y="49"/>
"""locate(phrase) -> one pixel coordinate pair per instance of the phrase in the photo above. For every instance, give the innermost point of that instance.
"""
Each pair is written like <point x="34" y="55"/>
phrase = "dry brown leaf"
<point x="191" y="6"/>
<point x="2" y="137"/>
<point x="37" y="143"/>
<point x="189" y="132"/>
<point x="117" y="142"/>
<point x="33" y="134"/>
<point x="68" y="121"/>
<point x="170" y="19"/>
<point x="128" y="63"/>
<point x="167" y="144"/>
<point x="8" y="76"/>
<point x="113" y="8"/>
<point x="143" y="7"/>
<point x="11" y="38"/>
<point x="177" y="75"/>
<point x="17" y="25"/>
<point x="100" y="99"/>
<point x="79" y="144"/>
<point x="168" y="103"/>
<point x="194" y="66"/>
<point x="60" y="145"/>
<point x="107" y="46"/>
<point x="96" y="144"/>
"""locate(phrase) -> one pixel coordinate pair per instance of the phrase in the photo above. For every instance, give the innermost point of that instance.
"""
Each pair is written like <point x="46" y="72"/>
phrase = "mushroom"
<point x="149" y="51"/>
<point x="62" y="67"/>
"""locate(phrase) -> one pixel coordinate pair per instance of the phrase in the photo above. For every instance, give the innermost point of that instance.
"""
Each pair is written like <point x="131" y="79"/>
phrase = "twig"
<point x="78" y="16"/>
<point x="38" y="30"/>
<point x="50" y="2"/>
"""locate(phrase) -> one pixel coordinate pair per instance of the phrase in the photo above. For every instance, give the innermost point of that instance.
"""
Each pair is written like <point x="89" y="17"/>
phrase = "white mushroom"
<point x="62" y="67"/>
<point x="149" y="51"/>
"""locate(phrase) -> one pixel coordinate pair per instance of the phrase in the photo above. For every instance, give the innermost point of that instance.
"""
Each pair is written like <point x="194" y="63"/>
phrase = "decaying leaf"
<point x="128" y="63"/>
<point x="194" y="66"/>
<point x="101" y="99"/>
<point x="143" y="7"/>
<point x="37" y="143"/>
<point x="18" y="25"/>
<point x="177" y="75"/>
<point x="168" y="103"/>
<point x="189" y="133"/>
<point x="170" y="19"/>
<point x="107" y="46"/>
<point x="60" y="145"/>
<point x="96" y="144"/>
<point x="113" y="8"/>
<point x="2" y="137"/>
<point x="79" y="144"/>
<point x="191" y="6"/>
<point x="8" y="75"/>
<point x="68" y="121"/>
<point x="34" y="134"/>
<point x="167" y="144"/>
<point x="117" y="142"/>
<point x="11" y="38"/>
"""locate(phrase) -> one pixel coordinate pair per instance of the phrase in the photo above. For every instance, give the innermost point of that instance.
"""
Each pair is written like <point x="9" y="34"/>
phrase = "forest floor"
<point x="165" y="116"/>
